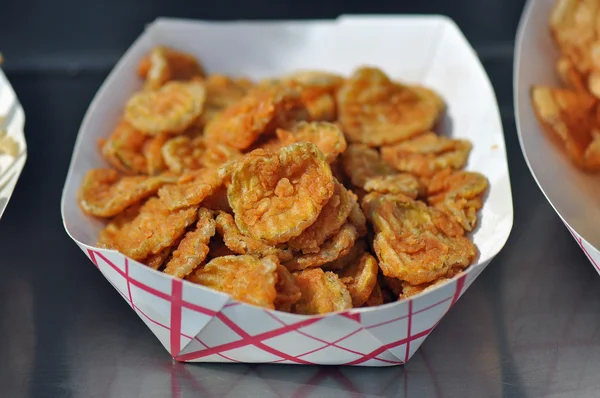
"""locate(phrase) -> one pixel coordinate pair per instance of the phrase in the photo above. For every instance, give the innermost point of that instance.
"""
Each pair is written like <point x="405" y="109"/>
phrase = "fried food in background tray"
<point x="306" y="193"/>
<point x="571" y="114"/>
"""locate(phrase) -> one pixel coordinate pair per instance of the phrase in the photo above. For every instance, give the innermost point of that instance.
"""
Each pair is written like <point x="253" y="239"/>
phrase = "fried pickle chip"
<point x="322" y="292"/>
<point x="288" y="292"/>
<point x="591" y="157"/>
<point x="362" y="163"/>
<point x="155" y="261"/>
<point x="458" y="193"/>
<point x="242" y="244"/>
<point x="193" y="248"/>
<point x="163" y="64"/>
<point x="573" y="26"/>
<point x="376" y="297"/>
<point x="191" y="189"/>
<point x="104" y="193"/>
<point x="153" y="229"/>
<point x="324" y="81"/>
<point x="569" y="74"/>
<point x="409" y="290"/>
<point x="404" y="183"/>
<point x="360" y="278"/>
<point x="244" y="278"/>
<point x="332" y="218"/>
<point x="417" y="243"/>
<point x="568" y="116"/>
<point x="152" y="151"/>
<point x="337" y="246"/>
<point x="376" y="111"/>
<point x="261" y="111"/>
<point x="326" y="136"/>
<point x="217" y="155"/>
<point x="353" y="255"/>
<point x="109" y="236"/>
<point x="170" y="109"/>
<point x="123" y="149"/>
<point x="426" y="154"/>
<point x="183" y="153"/>
<point x="222" y="92"/>
<point x="357" y="219"/>
<point x="276" y="196"/>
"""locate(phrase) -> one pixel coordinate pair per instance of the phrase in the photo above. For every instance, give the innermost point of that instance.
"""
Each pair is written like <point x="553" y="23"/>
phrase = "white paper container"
<point x="12" y="120"/>
<point x="574" y="194"/>
<point x="201" y="325"/>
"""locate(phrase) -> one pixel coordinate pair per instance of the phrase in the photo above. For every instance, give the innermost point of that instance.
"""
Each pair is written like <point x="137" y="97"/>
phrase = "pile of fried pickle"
<point x="309" y="193"/>
<point x="571" y="114"/>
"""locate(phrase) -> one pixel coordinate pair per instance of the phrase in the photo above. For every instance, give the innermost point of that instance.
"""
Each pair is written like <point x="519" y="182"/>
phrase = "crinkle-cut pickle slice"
<point x="193" y="248"/>
<point x="104" y="193"/>
<point x="171" y="109"/>
<point x="245" y="278"/>
<point x="417" y="243"/>
<point x="322" y="292"/>
<point x="377" y="111"/>
<point x="276" y="196"/>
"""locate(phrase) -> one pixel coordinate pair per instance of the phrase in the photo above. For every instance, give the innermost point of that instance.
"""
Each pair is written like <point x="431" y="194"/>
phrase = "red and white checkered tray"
<point x="12" y="123"/>
<point x="573" y="194"/>
<point x="201" y="325"/>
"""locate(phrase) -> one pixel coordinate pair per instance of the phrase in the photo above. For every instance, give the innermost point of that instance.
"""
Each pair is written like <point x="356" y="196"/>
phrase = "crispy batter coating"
<point x="362" y="163"/>
<point x="326" y="136"/>
<point x="261" y="111"/>
<point x="222" y="92"/>
<point x="104" y="193"/>
<point x="337" y="246"/>
<point x="217" y="155"/>
<point x="357" y="218"/>
<point x="332" y="218"/>
<point x="353" y="255"/>
<point x="170" y="109"/>
<point x="376" y="111"/>
<point x="569" y="117"/>
<point x="244" y="278"/>
<point x="426" y="154"/>
<point x="109" y="236"/>
<point x="574" y="30"/>
<point x="191" y="189"/>
<point x="193" y="248"/>
<point x="156" y="261"/>
<point x="376" y="297"/>
<point x="288" y="292"/>
<point x="183" y="153"/>
<point x="409" y="290"/>
<point x="276" y="196"/>
<point x="163" y="64"/>
<point x="458" y="193"/>
<point x="123" y="149"/>
<point x="360" y="277"/>
<point x="152" y="150"/>
<point x="404" y="183"/>
<point x="417" y="243"/>
<point x="322" y="292"/>
<point x="242" y="244"/>
<point x="153" y="229"/>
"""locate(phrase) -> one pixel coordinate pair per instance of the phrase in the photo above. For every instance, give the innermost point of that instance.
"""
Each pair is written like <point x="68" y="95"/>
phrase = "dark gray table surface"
<point x="529" y="326"/>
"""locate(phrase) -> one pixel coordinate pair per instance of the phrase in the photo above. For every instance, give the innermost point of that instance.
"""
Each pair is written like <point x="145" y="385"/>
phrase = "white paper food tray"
<point x="12" y="123"/>
<point x="574" y="194"/>
<point x="201" y="325"/>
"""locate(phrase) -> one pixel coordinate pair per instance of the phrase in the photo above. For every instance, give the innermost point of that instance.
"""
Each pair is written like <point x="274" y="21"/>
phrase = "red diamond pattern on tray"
<point x="198" y="325"/>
